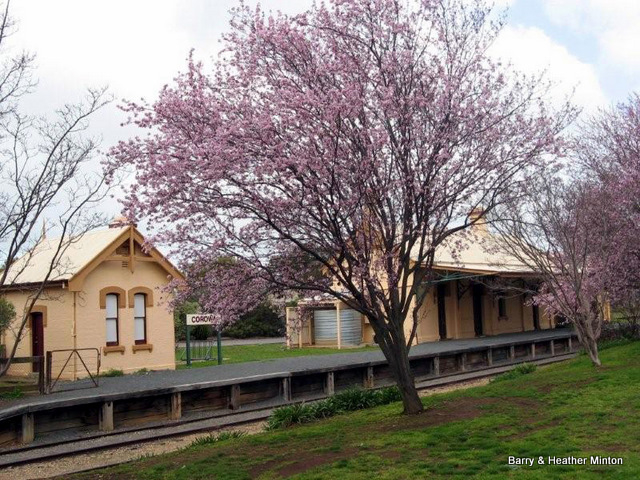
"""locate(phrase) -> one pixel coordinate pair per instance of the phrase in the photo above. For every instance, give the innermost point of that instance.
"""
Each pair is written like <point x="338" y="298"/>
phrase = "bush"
<point x="347" y="401"/>
<point x="262" y="321"/>
<point x="290" y="415"/>
<point x="522" y="369"/>
<point x="622" y="330"/>
<point x="7" y="314"/>
<point x="113" y="372"/>
<point x="180" y="316"/>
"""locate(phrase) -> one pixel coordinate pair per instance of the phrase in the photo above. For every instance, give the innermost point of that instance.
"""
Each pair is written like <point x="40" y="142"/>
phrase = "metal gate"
<point x="200" y="350"/>
<point x="72" y="369"/>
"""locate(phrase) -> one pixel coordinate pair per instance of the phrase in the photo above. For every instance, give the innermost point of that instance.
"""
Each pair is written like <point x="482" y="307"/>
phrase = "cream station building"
<point x="107" y="294"/>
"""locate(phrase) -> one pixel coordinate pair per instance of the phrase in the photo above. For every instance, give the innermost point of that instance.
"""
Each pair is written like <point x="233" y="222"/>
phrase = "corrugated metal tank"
<point x="326" y="327"/>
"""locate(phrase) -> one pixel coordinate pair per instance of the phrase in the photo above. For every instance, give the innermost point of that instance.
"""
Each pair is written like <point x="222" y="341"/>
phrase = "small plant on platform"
<point x="112" y="372"/>
<point x="12" y="394"/>
<point x="522" y="369"/>
<point x="212" y="438"/>
<point x="347" y="401"/>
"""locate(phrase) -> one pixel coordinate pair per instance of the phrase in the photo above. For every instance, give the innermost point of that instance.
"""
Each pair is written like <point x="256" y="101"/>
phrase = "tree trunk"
<point x="407" y="385"/>
<point x="588" y="342"/>
<point x="392" y="342"/>
<point x="591" y="347"/>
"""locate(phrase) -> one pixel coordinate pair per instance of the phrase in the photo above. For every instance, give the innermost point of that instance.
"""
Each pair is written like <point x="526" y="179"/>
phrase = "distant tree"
<point x="42" y="174"/>
<point x="7" y="315"/>
<point x="180" y="312"/>
<point x="333" y="151"/>
<point x="581" y="234"/>
<point x="553" y="229"/>
<point x="262" y="321"/>
<point x="608" y="149"/>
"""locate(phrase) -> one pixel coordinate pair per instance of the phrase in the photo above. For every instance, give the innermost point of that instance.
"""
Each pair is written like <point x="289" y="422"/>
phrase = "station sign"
<point x="202" y="319"/>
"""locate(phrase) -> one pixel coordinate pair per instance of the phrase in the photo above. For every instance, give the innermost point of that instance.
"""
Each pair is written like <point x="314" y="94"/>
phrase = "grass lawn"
<point x="564" y="409"/>
<point x="252" y="353"/>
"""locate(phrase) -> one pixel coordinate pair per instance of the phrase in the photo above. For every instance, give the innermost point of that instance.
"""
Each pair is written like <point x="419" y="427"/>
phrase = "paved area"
<point x="169" y="380"/>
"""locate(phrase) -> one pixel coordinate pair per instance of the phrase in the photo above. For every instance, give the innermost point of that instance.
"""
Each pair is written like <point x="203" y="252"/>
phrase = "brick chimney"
<point x="477" y="219"/>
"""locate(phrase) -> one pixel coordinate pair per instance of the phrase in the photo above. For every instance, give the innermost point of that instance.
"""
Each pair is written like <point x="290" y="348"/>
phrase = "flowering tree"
<point x="608" y="148"/>
<point x="581" y="235"/>
<point x="554" y="230"/>
<point x="332" y="152"/>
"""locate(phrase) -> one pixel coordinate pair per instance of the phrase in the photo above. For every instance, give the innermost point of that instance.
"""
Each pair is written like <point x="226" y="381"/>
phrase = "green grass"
<point x="112" y="372"/>
<point x="252" y="353"/>
<point x="564" y="409"/>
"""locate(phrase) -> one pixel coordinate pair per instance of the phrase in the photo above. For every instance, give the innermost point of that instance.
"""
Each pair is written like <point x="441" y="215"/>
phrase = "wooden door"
<point x="477" y="310"/>
<point x="442" y="312"/>
<point x="37" y="338"/>
<point x="536" y="317"/>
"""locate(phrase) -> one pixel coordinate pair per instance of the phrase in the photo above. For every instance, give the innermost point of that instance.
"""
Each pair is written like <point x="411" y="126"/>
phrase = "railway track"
<point x="64" y="447"/>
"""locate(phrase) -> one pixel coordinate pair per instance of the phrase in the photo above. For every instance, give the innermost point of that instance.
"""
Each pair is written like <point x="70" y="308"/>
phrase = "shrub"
<point x="262" y="321"/>
<point x="179" y="318"/>
<point x="7" y="314"/>
<point x="522" y="369"/>
<point x="355" y="399"/>
<point x="347" y="401"/>
<point x="290" y="415"/>
<point x="622" y="330"/>
<point x="112" y="372"/>
<point x="212" y="438"/>
<point x="389" y="395"/>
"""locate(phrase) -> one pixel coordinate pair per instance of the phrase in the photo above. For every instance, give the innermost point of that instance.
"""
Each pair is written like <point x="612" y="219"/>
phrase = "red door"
<point x="37" y="338"/>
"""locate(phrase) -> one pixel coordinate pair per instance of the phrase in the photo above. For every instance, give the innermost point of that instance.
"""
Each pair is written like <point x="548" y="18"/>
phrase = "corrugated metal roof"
<point x="33" y="267"/>
<point x="476" y="250"/>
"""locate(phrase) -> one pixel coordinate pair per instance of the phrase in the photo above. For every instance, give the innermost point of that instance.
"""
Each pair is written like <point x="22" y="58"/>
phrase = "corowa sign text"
<point x="201" y="319"/>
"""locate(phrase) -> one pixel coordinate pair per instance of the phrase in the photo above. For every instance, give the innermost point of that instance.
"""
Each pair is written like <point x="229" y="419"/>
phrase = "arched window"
<point x="140" y="318"/>
<point x="111" y="306"/>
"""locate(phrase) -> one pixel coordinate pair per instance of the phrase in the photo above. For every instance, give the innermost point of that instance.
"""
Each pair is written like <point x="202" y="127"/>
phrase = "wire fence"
<point x="200" y="350"/>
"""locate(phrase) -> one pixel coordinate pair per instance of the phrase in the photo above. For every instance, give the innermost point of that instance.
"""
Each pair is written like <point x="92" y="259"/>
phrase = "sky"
<point x="134" y="47"/>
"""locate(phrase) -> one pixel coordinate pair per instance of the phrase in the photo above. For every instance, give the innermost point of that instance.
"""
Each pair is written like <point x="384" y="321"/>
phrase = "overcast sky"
<point x="136" y="46"/>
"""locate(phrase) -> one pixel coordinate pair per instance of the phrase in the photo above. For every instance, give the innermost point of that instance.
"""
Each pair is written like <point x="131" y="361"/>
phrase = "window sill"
<point x="144" y="346"/>
<point x="113" y="349"/>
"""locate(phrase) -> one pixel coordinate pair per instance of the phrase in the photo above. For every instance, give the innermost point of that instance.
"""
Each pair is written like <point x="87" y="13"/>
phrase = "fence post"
<point x="188" y="338"/>
<point x="219" y="338"/>
<point x="48" y="376"/>
<point x="41" y="375"/>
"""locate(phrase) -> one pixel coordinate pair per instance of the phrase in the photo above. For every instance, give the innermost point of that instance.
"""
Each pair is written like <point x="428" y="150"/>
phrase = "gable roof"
<point x="477" y="250"/>
<point x="79" y="258"/>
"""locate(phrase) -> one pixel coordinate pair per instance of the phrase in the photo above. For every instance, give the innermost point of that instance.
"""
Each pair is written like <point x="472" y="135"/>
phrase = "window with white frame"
<point x="140" y="318"/>
<point x="112" y="318"/>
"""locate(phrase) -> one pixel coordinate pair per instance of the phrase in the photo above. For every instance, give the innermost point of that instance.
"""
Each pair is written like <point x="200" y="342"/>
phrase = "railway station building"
<point x="106" y="296"/>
